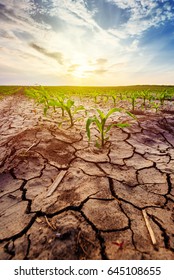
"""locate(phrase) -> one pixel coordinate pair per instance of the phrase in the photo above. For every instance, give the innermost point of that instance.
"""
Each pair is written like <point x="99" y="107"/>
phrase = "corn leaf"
<point x="109" y="127"/>
<point x="70" y="103"/>
<point x="45" y="111"/>
<point x="88" y="123"/>
<point x="113" y="110"/>
<point x="122" y="125"/>
<point x="102" y="115"/>
<point x="131" y="115"/>
<point x="79" y="108"/>
<point x="98" y="124"/>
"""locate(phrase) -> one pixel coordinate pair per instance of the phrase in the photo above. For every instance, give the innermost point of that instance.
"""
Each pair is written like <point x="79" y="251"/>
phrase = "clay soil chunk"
<point x="138" y="196"/>
<point x="73" y="190"/>
<point x="120" y="151"/>
<point x="57" y="153"/>
<point x="89" y="168"/>
<point x="166" y="167"/>
<point x="13" y="217"/>
<point x="145" y="144"/>
<point x="29" y="166"/>
<point x="39" y="186"/>
<point x="93" y="155"/>
<point x="8" y="184"/>
<point x="150" y="176"/>
<point x="105" y="215"/>
<point x="120" y="173"/>
<point x="138" y="162"/>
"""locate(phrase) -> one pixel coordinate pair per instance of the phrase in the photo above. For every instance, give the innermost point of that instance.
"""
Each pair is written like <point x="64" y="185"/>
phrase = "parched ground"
<point x="63" y="199"/>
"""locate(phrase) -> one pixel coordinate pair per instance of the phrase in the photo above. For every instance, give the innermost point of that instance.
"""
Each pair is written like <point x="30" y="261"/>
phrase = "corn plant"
<point x="133" y="98"/>
<point x="100" y="123"/>
<point x="114" y="96"/>
<point x="66" y="106"/>
<point x="145" y="94"/>
<point x="61" y="101"/>
<point x="156" y="106"/>
<point x="40" y="95"/>
<point x="162" y="96"/>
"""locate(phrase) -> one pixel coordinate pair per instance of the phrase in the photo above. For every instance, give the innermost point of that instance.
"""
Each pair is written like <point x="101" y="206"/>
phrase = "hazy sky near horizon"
<point x="87" y="42"/>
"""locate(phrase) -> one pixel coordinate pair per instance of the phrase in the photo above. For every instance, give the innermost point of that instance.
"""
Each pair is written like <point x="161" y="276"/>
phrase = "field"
<point x="87" y="172"/>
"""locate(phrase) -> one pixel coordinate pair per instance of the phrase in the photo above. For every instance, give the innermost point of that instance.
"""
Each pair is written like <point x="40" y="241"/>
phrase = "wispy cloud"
<point x="143" y="15"/>
<point x="73" y="67"/>
<point x="55" y="55"/>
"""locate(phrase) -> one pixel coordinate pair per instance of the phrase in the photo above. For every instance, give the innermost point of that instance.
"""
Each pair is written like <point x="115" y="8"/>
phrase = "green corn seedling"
<point x="100" y="123"/>
<point x="145" y="94"/>
<point x="66" y="106"/>
<point x="156" y="106"/>
<point x="162" y="96"/>
<point x="40" y="95"/>
<point x="133" y="97"/>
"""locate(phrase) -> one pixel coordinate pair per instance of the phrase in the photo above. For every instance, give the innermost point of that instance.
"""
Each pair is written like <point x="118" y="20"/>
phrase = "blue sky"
<point x="87" y="42"/>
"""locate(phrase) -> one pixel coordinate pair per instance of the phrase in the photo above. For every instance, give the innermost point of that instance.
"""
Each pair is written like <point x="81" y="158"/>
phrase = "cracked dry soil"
<point x="95" y="209"/>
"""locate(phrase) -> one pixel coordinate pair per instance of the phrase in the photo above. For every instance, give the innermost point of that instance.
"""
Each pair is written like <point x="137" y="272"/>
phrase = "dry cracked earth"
<point x="63" y="199"/>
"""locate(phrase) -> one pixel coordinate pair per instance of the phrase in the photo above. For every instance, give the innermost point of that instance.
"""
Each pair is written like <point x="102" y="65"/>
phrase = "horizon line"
<point x="129" y="85"/>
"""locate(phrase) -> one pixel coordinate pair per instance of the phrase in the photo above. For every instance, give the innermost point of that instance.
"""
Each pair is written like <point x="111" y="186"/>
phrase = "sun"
<point x="80" y="72"/>
<point x="83" y="71"/>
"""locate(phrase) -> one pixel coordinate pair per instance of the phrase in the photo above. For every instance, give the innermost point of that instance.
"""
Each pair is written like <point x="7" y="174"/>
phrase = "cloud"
<point x="55" y="55"/>
<point x="100" y="71"/>
<point x="73" y="67"/>
<point x="95" y="71"/>
<point x="101" y="60"/>
<point x="143" y="15"/>
<point x="74" y="12"/>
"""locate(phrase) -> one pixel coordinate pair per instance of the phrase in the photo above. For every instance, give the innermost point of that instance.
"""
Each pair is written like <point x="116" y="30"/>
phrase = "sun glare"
<point x="82" y="71"/>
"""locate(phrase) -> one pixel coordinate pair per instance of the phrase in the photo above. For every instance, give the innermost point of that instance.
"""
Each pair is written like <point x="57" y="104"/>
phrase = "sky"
<point x="86" y="42"/>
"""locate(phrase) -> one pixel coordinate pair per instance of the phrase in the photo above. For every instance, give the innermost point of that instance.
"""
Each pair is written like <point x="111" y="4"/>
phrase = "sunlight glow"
<point x="82" y="71"/>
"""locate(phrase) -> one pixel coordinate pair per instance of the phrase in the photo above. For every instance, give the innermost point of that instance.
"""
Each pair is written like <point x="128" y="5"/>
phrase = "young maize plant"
<point x="145" y="95"/>
<point x="162" y="96"/>
<point x="101" y="125"/>
<point x="40" y="95"/>
<point x="66" y="106"/>
<point x="156" y="106"/>
<point x="133" y="97"/>
<point x="114" y="97"/>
